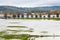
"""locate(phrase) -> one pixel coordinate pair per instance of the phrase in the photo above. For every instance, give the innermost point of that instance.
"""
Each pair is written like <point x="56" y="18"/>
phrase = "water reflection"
<point x="2" y="38"/>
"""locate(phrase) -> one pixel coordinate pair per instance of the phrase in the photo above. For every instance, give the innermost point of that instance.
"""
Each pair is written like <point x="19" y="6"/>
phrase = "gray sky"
<point x="30" y="3"/>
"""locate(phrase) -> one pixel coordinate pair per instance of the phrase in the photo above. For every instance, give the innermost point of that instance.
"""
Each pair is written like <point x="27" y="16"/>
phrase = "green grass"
<point x="53" y="18"/>
<point x="21" y="30"/>
<point x="27" y="18"/>
<point x="29" y="30"/>
<point x="42" y="18"/>
<point x="17" y="26"/>
<point x="21" y="36"/>
<point x="39" y="18"/>
<point x="32" y="18"/>
<point x="2" y="32"/>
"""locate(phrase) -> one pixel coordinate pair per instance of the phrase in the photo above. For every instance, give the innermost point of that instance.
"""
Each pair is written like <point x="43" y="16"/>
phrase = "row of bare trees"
<point x="22" y="16"/>
<point x="55" y="12"/>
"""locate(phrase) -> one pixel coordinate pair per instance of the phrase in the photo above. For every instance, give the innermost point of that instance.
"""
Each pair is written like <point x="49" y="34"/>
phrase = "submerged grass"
<point x="21" y="36"/>
<point x="17" y="26"/>
<point x="21" y="30"/>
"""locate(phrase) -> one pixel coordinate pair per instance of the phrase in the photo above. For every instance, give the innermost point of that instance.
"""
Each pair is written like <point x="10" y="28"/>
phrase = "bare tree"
<point x="5" y="16"/>
<point x="18" y="15"/>
<point x="40" y="16"/>
<point x="57" y="15"/>
<point x="48" y="15"/>
<point x="14" y="16"/>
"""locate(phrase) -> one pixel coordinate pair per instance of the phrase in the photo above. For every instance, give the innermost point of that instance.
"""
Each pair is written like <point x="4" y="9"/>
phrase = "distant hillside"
<point x="12" y="8"/>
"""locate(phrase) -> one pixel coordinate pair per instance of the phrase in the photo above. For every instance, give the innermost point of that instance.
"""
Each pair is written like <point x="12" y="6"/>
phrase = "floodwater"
<point x="51" y="26"/>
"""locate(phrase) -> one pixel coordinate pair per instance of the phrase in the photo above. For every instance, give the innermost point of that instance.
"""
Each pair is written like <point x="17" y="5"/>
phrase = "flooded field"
<point x="40" y="27"/>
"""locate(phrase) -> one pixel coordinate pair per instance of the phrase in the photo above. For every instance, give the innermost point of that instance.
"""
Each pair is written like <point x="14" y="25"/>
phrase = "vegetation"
<point x="21" y="36"/>
<point x="48" y="15"/>
<point x="21" y="30"/>
<point x="53" y="18"/>
<point x="18" y="15"/>
<point x="35" y="19"/>
<point x="31" y="18"/>
<point x="14" y="16"/>
<point x="17" y="26"/>
<point x="41" y="18"/>
<point x="2" y="32"/>
<point x="5" y="16"/>
<point x="44" y="32"/>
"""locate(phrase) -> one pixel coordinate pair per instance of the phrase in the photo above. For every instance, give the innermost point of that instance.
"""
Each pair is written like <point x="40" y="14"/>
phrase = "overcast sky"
<point x="30" y="3"/>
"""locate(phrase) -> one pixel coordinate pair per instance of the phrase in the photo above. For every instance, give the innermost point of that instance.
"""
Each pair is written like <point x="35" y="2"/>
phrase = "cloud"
<point x="30" y="3"/>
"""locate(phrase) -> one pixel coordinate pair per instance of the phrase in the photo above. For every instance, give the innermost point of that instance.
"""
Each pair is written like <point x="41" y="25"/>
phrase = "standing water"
<point x="51" y="26"/>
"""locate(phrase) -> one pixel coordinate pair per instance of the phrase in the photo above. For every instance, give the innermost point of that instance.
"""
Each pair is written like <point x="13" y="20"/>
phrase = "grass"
<point x="53" y="18"/>
<point x="28" y="18"/>
<point x="39" y="18"/>
<point x="17" y="26"/>
<point x="29" y="30"/>
<point x="21" y="36"/>
<point x="2" y="32"/>
<point x="32" y="18"/>
<point x="21" y="30"/>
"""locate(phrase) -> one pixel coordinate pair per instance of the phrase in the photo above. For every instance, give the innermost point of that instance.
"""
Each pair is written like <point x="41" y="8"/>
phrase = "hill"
<point x="25" y="9"/>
